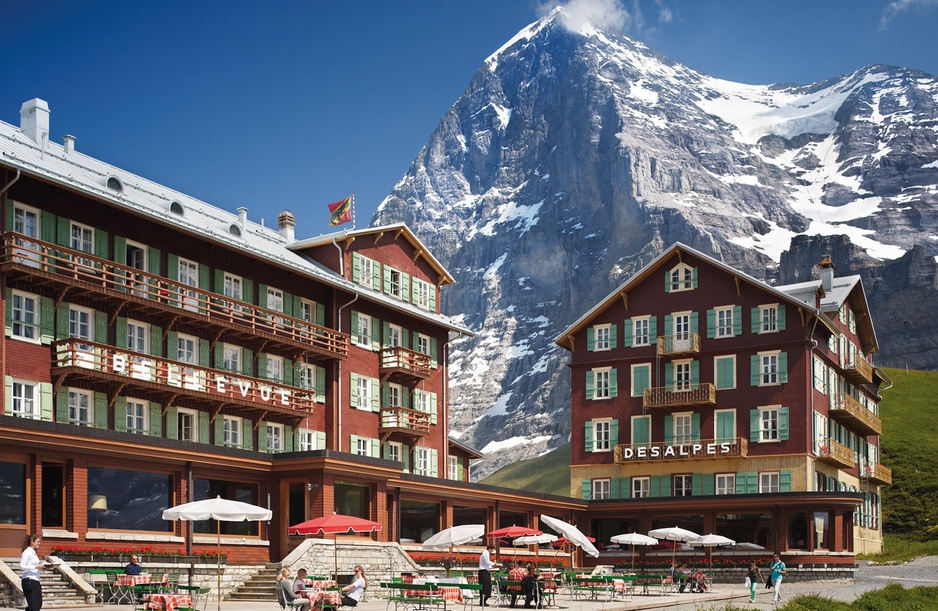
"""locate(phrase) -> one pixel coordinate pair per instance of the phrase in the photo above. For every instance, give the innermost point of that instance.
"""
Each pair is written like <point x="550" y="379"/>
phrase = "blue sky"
<point x="292" y="105"/>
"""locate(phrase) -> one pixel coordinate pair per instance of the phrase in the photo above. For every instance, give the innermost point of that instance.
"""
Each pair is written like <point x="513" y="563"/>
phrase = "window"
<point x="232" y="431"/>
<point x="422" y="456"/>
<point x="682" y="327"/>
<point x="26" y="400"/>
<point x="275" y="368"/>
<point x="394" y="451"/>
<point x="27" y="221"/>
<point x="421" y="296"/>
<point x="363" y="331"/>
<point x="187" y="349"/>
<point x="724" y="321"/>
<point x="601" y="337"/>
<point x="769" y="369"/>
<point x="274" y="299"/>
<point x="231" y="358"/>
<point x="233" y="287"/>
<point x="682" y="485"/>
<point x="80" y="406"/>
<point x="682" y="375"/>
<point x="725" y="368"/>
<point x="602" y="386"/>
<point x="641" y="331"/>
<point x="25" y="322"/>
<point x="681" y="278"/>
<point x="365" y="272"/>
<point x="683" y="428"/>
<point x="189" y="276"/>
<point x="394" y="336"/>
<point x="188" y="425"/>
<point x="768" y="318"/>
<point x="641" y="487"/>
<point x="307" y="439"/>
<point x="80" y="325"/>
<point x="601" y="489"/>
<point x="394" y="395"/>
<point x="307" y="377"/>
<point x="423" y="344"/>
<point x="820" y="375"/>
<point x="422" y="401"/>
<point x="454" y="471"/>
<point x="138" y="336"/>
<point x="82" y="238"/>
<point x="769" y="423"/>
<point x="274" y="437"/>
<point x="137" y="411"/>
<point x="725" y="483"/>
<point x="769" y="482"/>
<point x="601" y="435"/>
<point x="394" y="287"/>
<point x="364" y="393"/>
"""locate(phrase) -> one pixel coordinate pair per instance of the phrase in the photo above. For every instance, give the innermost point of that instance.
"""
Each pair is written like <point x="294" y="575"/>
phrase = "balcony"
<point x="401" y="363"/>
<point x="858" y="370"/>
<point x="837" y="454"/>
<point x="107" y="369"/>
<point x="850" y="411"/>
<point x="135" y="293"/>
<point x="681" y="343"/>
<point x="876" y="473"/>
<point x="705" y="449"/>
<point x="672" y="396"/>
<point x="403" y="421"/>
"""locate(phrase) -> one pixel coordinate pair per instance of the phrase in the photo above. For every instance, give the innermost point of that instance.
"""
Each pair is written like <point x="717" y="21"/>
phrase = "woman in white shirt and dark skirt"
<point x="30" y="564"/>
<point x="353" y="592"/>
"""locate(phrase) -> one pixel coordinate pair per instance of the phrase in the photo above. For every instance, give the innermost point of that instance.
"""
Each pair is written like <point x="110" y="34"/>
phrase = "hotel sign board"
<point x="676" y="451"/>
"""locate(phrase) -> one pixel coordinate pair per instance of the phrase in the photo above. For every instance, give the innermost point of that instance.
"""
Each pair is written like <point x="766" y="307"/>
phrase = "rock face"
<point x="573" y="157"/>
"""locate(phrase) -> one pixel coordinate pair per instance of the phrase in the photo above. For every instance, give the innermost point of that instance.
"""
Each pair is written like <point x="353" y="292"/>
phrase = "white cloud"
<point x="897" y="7"/>
<point x="607" y="14"/>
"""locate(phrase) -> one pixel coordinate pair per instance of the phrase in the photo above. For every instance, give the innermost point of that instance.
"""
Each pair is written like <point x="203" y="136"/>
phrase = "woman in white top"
<point x="354" y="591"/>
<point x="30" y="564"/>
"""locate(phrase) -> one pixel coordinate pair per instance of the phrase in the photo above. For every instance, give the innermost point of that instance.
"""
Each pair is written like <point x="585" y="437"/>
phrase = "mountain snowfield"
<point x="575" y="155"/>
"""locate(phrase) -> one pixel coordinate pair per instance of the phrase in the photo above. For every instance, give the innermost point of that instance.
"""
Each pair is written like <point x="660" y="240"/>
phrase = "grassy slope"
<point x="909" y="447"/>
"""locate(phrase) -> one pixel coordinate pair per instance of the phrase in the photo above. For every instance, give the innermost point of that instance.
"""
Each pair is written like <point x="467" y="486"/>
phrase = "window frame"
<point x="232" y="432"/>
<point x="604" y="373"/>
<point x="602" y="336"/>
<point x="681" y="278"/>
<point x="723" y="329"/>
<point x="769" y="371"/>
<point x="686" y="487"/>
<point x="728" y="483"/>
<point x="645" y="334"/>
<point x="601" y="489"/>
<point x="768" y="318"/>
<point x="194" y="415"/>
<point x="35" y="399"/>
<point x="74" y="418"/>
<point x="142" y="418"/>
<point x="643" y="484"/>
<point x="20" y="321"/>
<point x="362" y="336"/>
<point x="773" y="434"/>
<point x="777" y="485"/>
<point x="602" y="435"/>
<point x="275" y="437"/>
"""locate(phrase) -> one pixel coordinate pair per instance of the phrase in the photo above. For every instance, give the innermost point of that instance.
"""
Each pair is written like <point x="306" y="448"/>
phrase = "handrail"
<point x="397" y="417"/>
<point x="398" y="357"/>
<point x="844" y="403"/>
<point x="25" y="252"/>
<point x="693" y="394"/>
<point x="180" y="377"/>
<point x="679" y="343"/>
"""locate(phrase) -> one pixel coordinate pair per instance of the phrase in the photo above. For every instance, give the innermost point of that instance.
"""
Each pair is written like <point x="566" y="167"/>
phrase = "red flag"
<point x="340" y="212"/>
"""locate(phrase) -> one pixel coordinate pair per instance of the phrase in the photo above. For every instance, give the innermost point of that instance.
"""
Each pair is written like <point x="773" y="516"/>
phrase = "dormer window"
<point x="234" y="230"/>
<point x="682" y="277"/>
<point x="177" y="208"/>
<point x="114" y="184"/>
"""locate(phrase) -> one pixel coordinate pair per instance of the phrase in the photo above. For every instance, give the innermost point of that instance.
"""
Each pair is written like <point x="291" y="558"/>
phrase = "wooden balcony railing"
<point x="397" y="419"/>
<point x="847" y="409"/>
<point x="124" y="370"/>
<point x="858" y="370"/>
<point x="683" y="343"/>
<point x="409" y="363"/>
<point x="876" y="473"/>
<point x="45" y="262"/>
<point x="675" y="396"/>
<point x="837" y="454"/>
<point x="700" y="450"/>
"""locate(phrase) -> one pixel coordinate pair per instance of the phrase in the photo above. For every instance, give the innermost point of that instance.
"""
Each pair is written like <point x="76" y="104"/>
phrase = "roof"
<point x="351" y="234"/>
<point x="84" y="174"/>
<point x="472" y="452"/>
<point x="657" y="262"/>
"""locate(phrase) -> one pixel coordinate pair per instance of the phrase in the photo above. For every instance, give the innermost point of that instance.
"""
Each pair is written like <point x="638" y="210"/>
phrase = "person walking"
<point x="486" y="566"/>
<point x="778" y="571"/>
<point x="755" y="578"/>
<point x="30" y="564"/>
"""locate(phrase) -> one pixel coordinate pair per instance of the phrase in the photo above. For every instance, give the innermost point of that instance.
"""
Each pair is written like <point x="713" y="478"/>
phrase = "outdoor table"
<point x="133" y="580"/>
<point x="320" y="584"/>
<point x="168" y="602"/>
<point x="322" y="597"/>
<point x="453" y="593"/>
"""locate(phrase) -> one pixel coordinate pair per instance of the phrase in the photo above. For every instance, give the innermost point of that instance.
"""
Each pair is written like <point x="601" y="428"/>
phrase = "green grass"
<point x="890" y="598"/>
<point x="902" y="548"/>
<point x="549" y="473"/>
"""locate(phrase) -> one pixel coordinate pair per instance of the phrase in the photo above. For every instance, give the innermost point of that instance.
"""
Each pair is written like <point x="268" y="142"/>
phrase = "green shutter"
<point x="737" y="320"/>
<point x="61" y="321"/>
<point x="783" y="423"/>
<point x="709" y="484"/>
<point x="46" y="320"/>
<point x="613" y="343"/>
<point x="625" y="487"/>
<point x="752" y="483"/>
<point x="667" y="281"/>
<point x="247" y="434"/>
<point x="386" y="286"/>
<point x="613" y="382"/>
<point x="784" y="481"/>
<point x="640" y="429"/>
<point x="694" y="275"/>
<point x="288" y="303"/>
<point x="614" y="488"/>
<point x="433" y="407"/>
<point x="783" y="367"/>
<point x="588" y="436"/>
<point x="665" y="485"/>
<point x="288" y="372"/>
<point x="614" y="432"/>
<point x="695" y="373"/>
<point x="100" y="244"/>
<point x="668" y="324"/>
<point x="697" y="484"/>
<point x="724" y="427"/>
<point x="156" y="340"/>
<point x="375" y="334"/>
<point x="45" y="401"/>
<point x="590" y="338"/>
<point x="586" y="489"/>
<point x="694" y="318"/>
<point x="375" y="449"/>
<point x="668" y="428"/>
<point x="642" y="379"/>
<point x="669" y="376"/>
<point x="433" y="352"/>
<point x="755" y="370"/>
<point x="172" y="422"/>
<point x="8" y="313"/>
<point x="120" y="414"/>
<point x="319" y="314"/>
<point x="261" y="437"/>
<point x="405" y="289"/>
<point x="262" y="366"/>
<point x="320" y="384"/>
<point x="628" y="336"/>
<point x="61" y="405"/>
<point x="262" y="294"/>
<point x="63" y="233"/>
<point x="754" y="425"/>
<point x="695" y="427"/>
<point x="755" y="323"/>
<point x="653" y="329"/>
<point x="205" y="355"/>
<point x="654" y="486"/>
<point x="247" y="362"/>
<point x="375" y="395"/>
<point x="711" y="324"/>
<point x="219" y="362"/>
<point x="780" y="319"/>
<point x="100" y="327"/>
<point x="8" y="380"/>
<point x="353" y="390"/>
<point x="725" y="372"/>
<point x="156" y="419"/>
<point x="356" y="267"/>
<point x="589" y="385"/>
<point x="100" y="410"/>
<point x="431" y="290"/>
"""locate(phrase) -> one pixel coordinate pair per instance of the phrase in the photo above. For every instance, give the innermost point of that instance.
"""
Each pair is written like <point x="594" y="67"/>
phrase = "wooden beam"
<point x="625" y="299"/>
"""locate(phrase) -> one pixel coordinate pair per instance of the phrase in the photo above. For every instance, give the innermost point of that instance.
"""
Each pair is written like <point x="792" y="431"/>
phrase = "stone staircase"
<point x="57" y="591"/>
<point x="261" y="586"/>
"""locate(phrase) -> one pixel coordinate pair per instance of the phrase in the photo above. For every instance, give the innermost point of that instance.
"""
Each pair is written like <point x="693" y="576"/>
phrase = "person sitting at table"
<point x="529" y="585"/>
<point x="516" y="573"/>
<point x="299" y="584"/>
<point x="697" y="581"/>
<point x="353" y="592"/>
<point x="134" y="567"/>
<point x="285" y="594"/>
<point x="682" y="576"/>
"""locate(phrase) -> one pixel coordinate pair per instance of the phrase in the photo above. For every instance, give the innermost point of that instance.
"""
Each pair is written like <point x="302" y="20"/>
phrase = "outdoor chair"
<point x="288" y="599"/>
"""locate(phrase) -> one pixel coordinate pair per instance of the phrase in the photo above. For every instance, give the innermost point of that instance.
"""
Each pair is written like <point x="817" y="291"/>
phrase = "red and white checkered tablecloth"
<point x="323" y="597"/>
<point x="133" y="580"/>
<point x="320" y="584"/>
<point x="453" y="593"/>
<point x="168" y="602"/>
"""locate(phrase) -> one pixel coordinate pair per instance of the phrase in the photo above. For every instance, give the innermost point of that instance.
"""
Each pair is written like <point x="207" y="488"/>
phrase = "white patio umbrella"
<point x="572" y="534"/>
<point x="673" y="533"/>
<point x="220" y="510"/>
<point x="711" y="541"/>
<point x="535" y="539"/>
<point x="634" y="539"/>
<point x="455" y="535"/>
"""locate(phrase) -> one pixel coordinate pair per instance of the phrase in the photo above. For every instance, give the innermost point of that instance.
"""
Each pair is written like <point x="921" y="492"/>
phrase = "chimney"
<point x="286" y="224"/>
<point x="69" y="143"/>
<point x="827" y="273"/>
<point x="34" y="121"/>
<point x="242" y="216"/>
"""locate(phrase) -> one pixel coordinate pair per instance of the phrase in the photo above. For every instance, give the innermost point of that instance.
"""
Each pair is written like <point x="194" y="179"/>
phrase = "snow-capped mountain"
<point x="575" y="155"/>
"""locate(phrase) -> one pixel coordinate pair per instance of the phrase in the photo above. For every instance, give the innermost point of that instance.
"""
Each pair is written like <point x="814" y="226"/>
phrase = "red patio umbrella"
<point x="512" y="532"/>
<point x="335" y="524"/>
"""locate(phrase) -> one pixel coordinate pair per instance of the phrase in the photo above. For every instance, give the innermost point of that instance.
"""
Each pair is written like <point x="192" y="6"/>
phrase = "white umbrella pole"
<point x="218" y="559"/>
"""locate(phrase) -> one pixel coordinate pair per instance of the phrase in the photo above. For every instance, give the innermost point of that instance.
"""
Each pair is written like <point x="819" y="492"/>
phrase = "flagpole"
<point x="353" y="210"/>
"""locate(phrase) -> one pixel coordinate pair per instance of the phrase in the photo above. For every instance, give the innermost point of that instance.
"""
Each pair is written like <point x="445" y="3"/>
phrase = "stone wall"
<point x="322" y="557"/>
